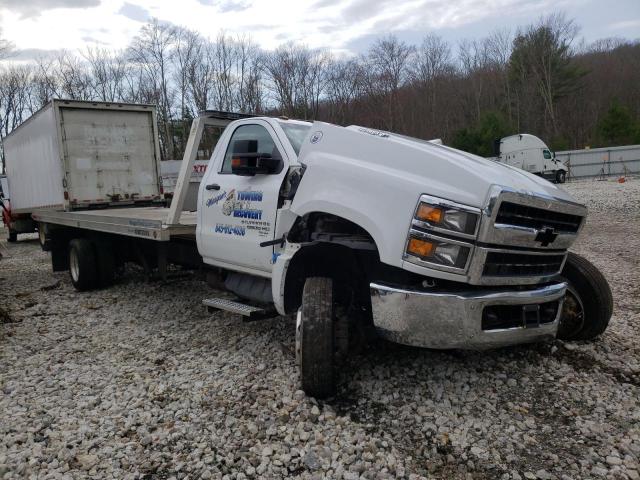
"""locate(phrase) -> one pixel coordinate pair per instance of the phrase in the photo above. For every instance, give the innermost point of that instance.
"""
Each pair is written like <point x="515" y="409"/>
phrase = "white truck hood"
<point x="445" y="171"/>
<point x="375" y="180"/>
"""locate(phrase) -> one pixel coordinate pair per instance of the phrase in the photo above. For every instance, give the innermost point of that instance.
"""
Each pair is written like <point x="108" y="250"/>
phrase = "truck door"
<point x="238" y="212"/>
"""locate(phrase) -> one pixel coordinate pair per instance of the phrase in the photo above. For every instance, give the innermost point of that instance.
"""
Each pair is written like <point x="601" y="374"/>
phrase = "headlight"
<point x="442" y="234"/>
<point x="439" y="251"/>
<point x="441" y="216"/>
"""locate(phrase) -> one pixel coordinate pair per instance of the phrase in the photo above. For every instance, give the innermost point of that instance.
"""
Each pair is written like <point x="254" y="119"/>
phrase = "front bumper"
<point x="440" y="319"/>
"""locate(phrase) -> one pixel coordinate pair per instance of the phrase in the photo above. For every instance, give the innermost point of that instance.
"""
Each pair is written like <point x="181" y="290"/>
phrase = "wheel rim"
<point x="572" y="315"/>
<point x="299" y="338"/>
<point x="74" y="266"/>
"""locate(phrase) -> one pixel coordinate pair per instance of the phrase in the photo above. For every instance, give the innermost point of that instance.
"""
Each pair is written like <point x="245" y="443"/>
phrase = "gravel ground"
<point x="137" y="381"/>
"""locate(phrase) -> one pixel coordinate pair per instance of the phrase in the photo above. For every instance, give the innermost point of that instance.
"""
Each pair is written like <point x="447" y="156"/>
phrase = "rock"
<point x="611" y="460"/>
<point x="544" y="475"/>
<point x="312" y="461"/>
<point x="86" y="461"/>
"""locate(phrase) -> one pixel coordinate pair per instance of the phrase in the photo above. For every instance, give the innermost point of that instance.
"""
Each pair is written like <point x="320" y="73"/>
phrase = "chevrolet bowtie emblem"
<point x="546" y="236"/>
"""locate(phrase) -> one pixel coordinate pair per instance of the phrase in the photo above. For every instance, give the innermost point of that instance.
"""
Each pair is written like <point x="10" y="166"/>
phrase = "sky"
<point x="346" y="27"/>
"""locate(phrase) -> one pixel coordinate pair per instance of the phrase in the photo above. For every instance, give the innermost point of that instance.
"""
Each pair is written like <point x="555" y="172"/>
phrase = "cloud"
<point x="33" y="8"/>
<point x="134" y="12"/>
<point x="89" y="39"/>
<point x="625" y="24"/>
<point x="225" y="6"/>
<point x="30" y="54"/>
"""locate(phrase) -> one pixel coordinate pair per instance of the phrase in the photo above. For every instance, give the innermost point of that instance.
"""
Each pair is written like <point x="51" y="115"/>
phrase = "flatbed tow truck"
<point x="351" y="229"/>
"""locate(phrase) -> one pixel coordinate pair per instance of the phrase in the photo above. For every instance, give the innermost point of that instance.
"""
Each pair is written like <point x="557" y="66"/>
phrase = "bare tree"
<point x="153" y="49"/>
<point x="345" y="83"/>
<point x="249" y="73"/>
<point x="388" y="61"/>
<point x="433" y="62"/>
<point x="499" y="48"/>
<point x="542" y="57"/>
<point x="297" y="79"/>
<point x="475" y="60"/>
<point x="74" y="81"/>
<point x="108" y="71"/>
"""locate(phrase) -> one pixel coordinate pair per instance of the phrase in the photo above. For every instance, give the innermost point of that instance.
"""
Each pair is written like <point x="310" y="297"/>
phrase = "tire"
<point x="106" y="262"/>
<point x="83" y="265"/>
<point x="315" y="338"/>
<point x="13" y="236"/>
<point x="588" y="305"/>
<point x="561" y="176"/>
<point x="43" y="238"/>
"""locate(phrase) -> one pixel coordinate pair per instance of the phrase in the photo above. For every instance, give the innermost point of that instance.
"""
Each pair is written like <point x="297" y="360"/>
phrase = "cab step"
<point x="249" y="312"/>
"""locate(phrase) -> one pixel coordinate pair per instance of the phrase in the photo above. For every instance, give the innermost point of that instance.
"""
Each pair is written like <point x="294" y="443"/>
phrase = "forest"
<point x="538" y="78"/>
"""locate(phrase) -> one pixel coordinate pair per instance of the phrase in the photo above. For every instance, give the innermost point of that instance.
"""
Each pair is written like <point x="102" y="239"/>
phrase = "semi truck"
<point x="529" y="153"/>
<point x="354" y="232"/>
<point x="76" y="155"/>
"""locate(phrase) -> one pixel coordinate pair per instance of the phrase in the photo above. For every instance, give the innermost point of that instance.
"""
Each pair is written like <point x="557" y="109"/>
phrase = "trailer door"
<point x="109" y="155"/>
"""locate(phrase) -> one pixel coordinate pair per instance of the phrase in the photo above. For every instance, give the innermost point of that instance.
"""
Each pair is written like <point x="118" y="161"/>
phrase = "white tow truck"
<point x="355" y="230"/>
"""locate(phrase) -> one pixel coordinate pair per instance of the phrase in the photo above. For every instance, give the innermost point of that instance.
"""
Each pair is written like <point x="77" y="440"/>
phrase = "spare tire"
<point x="588" y="305"/>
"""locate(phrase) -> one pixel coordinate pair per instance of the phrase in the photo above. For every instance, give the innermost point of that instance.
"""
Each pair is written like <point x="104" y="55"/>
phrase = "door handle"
<point x="213" y="186"/>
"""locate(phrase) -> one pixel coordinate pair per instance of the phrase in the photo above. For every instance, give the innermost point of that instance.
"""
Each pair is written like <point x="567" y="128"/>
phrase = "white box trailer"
<point x="72" y="155"/>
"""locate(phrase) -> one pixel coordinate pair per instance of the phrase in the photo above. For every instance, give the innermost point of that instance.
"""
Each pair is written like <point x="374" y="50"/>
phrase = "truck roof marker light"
<point x="419" y="247"/>
<point x="428" y="213"/>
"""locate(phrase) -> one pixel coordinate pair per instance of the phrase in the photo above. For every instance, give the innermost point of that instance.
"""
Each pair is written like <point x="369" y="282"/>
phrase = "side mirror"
<point x="247" y="161"/>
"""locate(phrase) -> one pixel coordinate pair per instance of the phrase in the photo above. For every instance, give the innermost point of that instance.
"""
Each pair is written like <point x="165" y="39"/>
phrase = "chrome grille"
<point x="538" y="218"/>
<point x="501" y="264"/>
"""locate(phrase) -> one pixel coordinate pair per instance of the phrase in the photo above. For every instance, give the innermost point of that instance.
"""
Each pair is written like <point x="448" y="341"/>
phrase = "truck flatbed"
<point x="140" y="222"/>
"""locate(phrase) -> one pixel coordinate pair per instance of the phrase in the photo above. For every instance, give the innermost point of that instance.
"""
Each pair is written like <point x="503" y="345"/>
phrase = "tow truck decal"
<point x="252" y="214"/>
<point x="250" y="196"/>
<point x="215" y="200"/>
<point x="230" y="229"/>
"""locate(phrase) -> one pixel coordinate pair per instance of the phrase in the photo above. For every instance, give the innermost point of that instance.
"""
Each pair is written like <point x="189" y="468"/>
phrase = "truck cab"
<point x="529" y="153"/>
<point x="242" y="200"/>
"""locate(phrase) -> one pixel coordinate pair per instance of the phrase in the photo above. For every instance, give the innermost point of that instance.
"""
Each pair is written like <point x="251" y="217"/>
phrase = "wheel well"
<point x="329" y="228"/>
<point x="334" y="247"/>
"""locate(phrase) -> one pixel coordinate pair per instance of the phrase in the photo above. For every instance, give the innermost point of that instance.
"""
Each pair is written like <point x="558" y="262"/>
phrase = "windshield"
<point x="296" y="133"/>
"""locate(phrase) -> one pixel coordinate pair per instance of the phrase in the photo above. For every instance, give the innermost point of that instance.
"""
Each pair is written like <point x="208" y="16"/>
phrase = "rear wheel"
<point x="561" y="176"/>
<point x="43" y="238"/>
<point x="588" y="305"/>
<point x="106" y="262"/>
<point x="83" y="265"/>
<point x="315" y="338"/>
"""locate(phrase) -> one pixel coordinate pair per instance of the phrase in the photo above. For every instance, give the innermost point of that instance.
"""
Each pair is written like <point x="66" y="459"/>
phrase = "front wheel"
<point x="315" y="338"/>
<point x="561" y="176"/>
<point x="588" y="304"/>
